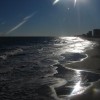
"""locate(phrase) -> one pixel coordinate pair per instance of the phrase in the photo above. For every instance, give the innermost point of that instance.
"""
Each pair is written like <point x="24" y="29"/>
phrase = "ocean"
<point x="37" y="68"/>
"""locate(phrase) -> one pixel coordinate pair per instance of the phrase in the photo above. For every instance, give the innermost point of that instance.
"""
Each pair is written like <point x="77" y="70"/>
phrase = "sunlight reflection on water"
<point x="76" y="44"/>
<point x="78" y="88"/>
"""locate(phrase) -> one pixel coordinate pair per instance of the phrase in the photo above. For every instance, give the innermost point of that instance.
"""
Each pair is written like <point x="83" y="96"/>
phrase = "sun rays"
<point x="75" y="1"/>
<point x="56" y="1"/>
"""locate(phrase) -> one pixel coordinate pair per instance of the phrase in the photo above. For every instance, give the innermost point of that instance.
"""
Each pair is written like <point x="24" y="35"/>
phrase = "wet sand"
<point x="79" y="84"/>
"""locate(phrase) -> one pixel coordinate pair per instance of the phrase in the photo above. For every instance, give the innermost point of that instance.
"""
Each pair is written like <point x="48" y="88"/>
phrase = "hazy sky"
<point x="48" y="17"/>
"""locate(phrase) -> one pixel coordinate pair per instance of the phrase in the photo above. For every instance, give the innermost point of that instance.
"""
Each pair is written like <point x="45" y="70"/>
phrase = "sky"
<point x="48" y="17"/>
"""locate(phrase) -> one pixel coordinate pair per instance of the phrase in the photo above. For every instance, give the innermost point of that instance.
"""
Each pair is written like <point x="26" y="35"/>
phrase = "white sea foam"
<point x="14" y="52"/>
<point x="4" y="57"/>
<point x="6" y="54"/>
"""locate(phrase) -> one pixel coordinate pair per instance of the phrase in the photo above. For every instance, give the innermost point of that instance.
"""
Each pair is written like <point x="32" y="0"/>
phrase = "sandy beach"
<point x="92" y="63"/>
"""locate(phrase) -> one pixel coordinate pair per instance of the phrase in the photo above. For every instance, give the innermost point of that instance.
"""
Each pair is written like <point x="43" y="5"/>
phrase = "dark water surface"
<point x="35" y="68"/>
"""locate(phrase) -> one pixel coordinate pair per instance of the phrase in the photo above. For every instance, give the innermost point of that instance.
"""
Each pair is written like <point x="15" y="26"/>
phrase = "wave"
<point x="10" y="53"/>
<point x="4" y="57"/>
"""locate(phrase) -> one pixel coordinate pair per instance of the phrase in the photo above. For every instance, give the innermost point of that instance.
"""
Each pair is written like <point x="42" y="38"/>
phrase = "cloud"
<point x="25" y="19"/>
<point x="55" y="1"/>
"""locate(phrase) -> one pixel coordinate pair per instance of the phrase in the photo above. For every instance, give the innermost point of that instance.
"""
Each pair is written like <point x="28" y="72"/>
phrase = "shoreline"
<point x="88" y="66"/>
<point x="92" y="62"/>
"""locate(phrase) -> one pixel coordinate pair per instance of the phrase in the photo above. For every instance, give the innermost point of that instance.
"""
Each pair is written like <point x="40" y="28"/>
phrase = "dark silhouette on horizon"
<point x="93" y="34"/>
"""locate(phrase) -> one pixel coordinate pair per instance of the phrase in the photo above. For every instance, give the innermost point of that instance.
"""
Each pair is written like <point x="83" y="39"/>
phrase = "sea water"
<point x="36" y="68"/>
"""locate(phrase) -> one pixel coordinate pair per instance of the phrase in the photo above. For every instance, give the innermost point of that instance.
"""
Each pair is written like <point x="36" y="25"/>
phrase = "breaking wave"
<point x="15" y="52"/>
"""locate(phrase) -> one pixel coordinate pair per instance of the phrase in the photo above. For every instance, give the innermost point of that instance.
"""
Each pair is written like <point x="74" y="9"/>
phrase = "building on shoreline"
<point x="96" y="33"/>
<point x="93" y="34"/>
<point x="89" y="34"/>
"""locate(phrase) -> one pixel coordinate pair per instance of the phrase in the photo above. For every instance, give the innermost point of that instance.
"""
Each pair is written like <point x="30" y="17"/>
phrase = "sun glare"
<point x="56" y="1"/>
<point x="75" y="1"/>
